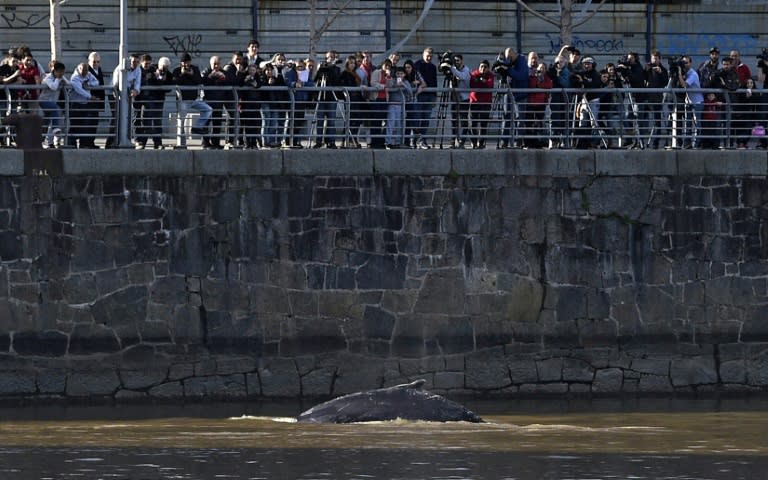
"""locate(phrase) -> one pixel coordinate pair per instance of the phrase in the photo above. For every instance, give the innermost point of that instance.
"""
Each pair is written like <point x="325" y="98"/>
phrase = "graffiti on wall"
<point x="668" y="44"/>
<point x="14" y="21"/>
<point x="189" y="43"/>
<point x="592" y="45"/>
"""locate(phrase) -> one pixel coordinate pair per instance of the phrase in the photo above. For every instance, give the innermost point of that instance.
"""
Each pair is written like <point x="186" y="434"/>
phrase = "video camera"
<point x="500" y="66"/>
<point x="676" y="65"/>
<point x="446" y="62"/>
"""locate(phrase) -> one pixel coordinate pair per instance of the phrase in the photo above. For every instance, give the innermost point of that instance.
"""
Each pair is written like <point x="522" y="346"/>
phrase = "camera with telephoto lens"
<point x="446" y="62"/>
<point x="500" y="66"/>
<point x="676" y="65"/>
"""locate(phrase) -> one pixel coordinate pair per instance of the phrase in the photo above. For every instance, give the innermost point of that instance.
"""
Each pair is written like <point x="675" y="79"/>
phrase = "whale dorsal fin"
<point x="415" y="385"/>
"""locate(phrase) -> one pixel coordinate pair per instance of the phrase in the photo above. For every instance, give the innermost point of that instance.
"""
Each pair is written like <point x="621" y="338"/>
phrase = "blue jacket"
<point x="517" y="76"/>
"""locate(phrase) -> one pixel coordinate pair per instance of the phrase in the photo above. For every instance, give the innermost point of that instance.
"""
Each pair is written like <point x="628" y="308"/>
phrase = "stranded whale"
<point x="408" y="402"/>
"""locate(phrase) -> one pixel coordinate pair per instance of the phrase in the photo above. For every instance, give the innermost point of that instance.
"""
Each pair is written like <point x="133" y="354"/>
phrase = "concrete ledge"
<point x="327" y="162"/>
<point x="481" y="162"/>
<point x="238" y="162"/>
<point x="412" y="162"/>
<point x="720" y="162"/>
<point x="557" y="163"/>
<point x="128" y="162"/>
<point x="11" y="163"/>
<point x="635" y="162"/>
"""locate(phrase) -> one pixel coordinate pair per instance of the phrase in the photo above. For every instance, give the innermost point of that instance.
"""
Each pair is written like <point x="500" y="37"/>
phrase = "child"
<point x="709" y="122"/>
<point x="399" y="92"/>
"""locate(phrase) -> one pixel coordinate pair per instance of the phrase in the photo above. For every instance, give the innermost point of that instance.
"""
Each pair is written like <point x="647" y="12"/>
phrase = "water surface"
<point x="642" y="439"/>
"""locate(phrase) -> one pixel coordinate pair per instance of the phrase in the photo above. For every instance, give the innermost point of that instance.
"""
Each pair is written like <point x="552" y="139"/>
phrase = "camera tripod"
<point x="498" y="107"/>
<point x="679" y="117"/>
<point x="632" y="112"/>
<point x="582" y="105"/>
<point x="316" y="132"/>
<point x="443" y="105"/>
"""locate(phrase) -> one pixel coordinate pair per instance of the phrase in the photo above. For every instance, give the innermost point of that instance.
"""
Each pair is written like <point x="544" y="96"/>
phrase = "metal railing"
<point x="279" y="117"/>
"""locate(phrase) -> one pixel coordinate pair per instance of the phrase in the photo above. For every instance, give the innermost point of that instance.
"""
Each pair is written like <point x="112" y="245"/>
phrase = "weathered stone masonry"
<point x="531" y="272"/>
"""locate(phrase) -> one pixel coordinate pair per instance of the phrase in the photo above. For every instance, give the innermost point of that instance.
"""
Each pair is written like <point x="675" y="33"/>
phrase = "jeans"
<point x="185" y="106"/>
<point x="53" y="117"/>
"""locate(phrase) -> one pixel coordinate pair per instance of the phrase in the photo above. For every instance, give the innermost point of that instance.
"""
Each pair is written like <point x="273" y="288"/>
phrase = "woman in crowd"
<point x="480" y="101"/>
<point x="412" y="122"/>
<point x="352" y="81"/>
<point x="29" y="72"/>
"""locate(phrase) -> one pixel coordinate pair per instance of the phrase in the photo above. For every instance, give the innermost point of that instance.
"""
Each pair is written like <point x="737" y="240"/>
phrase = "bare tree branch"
<point x="586" y="19"/>
<point x="537" y="14"/>
<point x="329" y="19"/>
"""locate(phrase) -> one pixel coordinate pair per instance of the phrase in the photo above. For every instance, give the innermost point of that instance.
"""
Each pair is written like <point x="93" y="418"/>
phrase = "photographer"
<point x="512" y="69"/>
<point x="480" y="100"/>
<point x="686" y="77"/>
<point x="327" y="78"/>
<point x="655" y="110"/>
<point x="460" y="82"/>
<point x="589" y="106"/>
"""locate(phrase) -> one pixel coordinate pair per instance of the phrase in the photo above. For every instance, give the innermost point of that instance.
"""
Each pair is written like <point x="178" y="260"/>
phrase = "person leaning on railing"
<point x="82" y="106"/>
<point x="52" y="84"/>
<point x="188" y="75"/>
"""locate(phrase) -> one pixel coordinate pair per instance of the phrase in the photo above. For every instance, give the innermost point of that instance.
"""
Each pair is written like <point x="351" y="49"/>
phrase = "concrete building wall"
<point x="476" y="29"/>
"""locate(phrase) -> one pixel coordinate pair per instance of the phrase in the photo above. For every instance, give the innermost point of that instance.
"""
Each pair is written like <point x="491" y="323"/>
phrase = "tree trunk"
<point x="55" y="27"/>
<point x="566" y="23"/>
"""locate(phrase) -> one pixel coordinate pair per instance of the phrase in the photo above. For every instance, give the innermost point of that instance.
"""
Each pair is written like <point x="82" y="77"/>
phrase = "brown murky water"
<point x="522" y="440"/>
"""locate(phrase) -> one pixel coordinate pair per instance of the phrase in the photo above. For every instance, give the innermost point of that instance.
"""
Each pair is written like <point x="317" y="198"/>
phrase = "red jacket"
<point x="535" y="81"/>
<point x="481" y="85"/>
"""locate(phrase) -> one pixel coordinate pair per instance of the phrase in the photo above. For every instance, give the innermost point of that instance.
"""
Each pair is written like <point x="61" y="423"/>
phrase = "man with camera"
<point x="589" y="105"/>
<point x="512" y="69"/>
<point x="686" y="77"/>
<point x="656" y="111"/>
<point x="326" y="78"/>
<point x="459" y="76"/>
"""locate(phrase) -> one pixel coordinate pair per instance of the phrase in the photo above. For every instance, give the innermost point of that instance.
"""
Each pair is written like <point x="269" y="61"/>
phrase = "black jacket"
<point x="189" y="78"/>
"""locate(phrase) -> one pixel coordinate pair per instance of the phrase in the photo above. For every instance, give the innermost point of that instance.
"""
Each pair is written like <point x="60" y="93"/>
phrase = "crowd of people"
<point x="569" y="103"/>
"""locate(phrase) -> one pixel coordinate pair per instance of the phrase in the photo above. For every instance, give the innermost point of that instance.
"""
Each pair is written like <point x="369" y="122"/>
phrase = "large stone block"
<point x="279" y="378"/>
<point x="693" y="371"/>
<point x="487" y="370"/>
<point x="93" y="383"/>
<point x="17" y="382"/>
<point x="608" y="380"/>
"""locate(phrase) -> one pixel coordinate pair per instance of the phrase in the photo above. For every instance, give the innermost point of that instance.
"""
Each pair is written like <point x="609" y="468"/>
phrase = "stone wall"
<point x="243" y="274"/>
